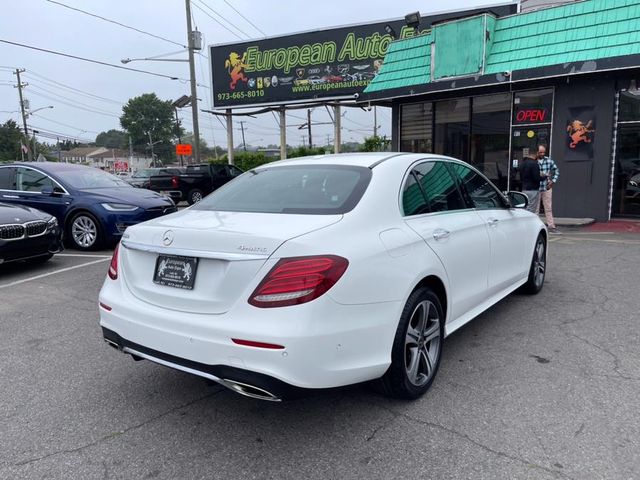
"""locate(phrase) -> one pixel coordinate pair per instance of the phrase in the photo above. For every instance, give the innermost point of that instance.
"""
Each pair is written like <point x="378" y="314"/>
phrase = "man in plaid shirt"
<point x="548" y="169"/>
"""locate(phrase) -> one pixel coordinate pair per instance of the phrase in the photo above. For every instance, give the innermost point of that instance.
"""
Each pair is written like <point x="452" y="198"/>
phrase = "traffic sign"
<point x="183" y="149"/>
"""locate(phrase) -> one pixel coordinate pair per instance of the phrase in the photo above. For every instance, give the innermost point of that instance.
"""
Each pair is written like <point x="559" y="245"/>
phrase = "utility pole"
<point x="24" y="115"/>
<point x="229" y="117"/>
<point x="130" y="153"/>
<point x="328" y="139"/>
<point x="58" y="147"/>
<point x="283" y="134"/>
<point x="375" y="122"/>
<point x="194" y="93"/>
<point x="175" y="109"/>
<point x="309" y="127"/>
<point x="244" y="145"/>
<point x="336" y="136"/>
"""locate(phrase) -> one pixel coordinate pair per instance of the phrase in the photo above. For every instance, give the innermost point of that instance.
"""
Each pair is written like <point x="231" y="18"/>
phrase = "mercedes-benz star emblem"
<point x="167" y="238"/>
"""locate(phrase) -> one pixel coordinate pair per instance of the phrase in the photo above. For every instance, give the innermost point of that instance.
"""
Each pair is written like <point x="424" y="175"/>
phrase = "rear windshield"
<point x="315" y="189"/>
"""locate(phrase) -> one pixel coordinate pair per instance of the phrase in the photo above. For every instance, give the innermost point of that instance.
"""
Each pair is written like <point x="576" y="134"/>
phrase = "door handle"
<point x="441" y="234"/>
<point x="492" y="222"/>
<point x="10" y="196"/>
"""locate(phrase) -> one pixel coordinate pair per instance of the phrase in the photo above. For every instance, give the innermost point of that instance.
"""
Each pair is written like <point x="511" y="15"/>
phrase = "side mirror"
<point x="518" y="199"/>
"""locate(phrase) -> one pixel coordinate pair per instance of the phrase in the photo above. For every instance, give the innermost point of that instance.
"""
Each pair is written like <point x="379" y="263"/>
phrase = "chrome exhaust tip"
<point x="250" y="390"/>
<point x="111" y="343"/>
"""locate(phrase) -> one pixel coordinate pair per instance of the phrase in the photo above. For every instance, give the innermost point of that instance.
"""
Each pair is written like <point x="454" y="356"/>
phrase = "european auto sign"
<point x="326" y="64"/>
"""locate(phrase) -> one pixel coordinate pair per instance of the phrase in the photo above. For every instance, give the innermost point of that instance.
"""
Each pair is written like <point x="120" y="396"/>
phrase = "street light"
<point x="31" y="112"/>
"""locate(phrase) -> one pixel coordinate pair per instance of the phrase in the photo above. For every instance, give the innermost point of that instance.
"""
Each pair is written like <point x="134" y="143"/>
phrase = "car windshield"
<point x="146" y="173"/>
<point x="88" y="178"/>
<point x="305" y="189"/>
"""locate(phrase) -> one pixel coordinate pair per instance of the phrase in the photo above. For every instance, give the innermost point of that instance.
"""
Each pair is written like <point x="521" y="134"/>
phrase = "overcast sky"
<point x="46" y="25"/>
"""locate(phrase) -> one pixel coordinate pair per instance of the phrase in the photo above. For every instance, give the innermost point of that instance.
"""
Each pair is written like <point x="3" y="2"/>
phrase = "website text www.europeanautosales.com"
<point x="329" y="86"/>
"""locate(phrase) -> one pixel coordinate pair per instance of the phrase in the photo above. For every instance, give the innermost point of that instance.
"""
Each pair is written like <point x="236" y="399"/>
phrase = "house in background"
<point x="111" y="159"/>
<point x="80" y="154"/>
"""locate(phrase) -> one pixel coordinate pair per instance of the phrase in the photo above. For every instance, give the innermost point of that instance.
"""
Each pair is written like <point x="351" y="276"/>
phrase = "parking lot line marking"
<point x="62" y="270"/>
<point x="81" y="255"/>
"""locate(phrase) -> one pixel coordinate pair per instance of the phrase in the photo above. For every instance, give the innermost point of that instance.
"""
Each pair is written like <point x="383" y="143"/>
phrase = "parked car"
<point x="92" y="206"/>
<point x="321" y="272"/>
<point x="28" y="234"/>
<point x="194" y="184"/>
<point x="140" y="178"/>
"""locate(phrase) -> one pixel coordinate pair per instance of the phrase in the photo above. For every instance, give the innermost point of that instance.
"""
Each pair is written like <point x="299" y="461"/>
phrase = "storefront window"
<point x="416" y="124"/>
<point x="490" y="136"/>
<point x="626" y="195"/>
<point x="629" y="107"/>
<point x="452" y="128"/>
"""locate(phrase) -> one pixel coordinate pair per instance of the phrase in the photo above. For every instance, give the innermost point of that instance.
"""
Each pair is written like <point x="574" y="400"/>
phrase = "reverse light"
<point x="113" y="266"/>
<point x="297" y="280"/>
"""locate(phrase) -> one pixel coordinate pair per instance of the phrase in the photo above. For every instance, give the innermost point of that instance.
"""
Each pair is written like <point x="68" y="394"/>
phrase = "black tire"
<point x="538" y="268"/>
<point x="40" y="259"/>
<point x="94" y="237"/>
<point x="194" y="196"/>
<point x="398" y="381"/>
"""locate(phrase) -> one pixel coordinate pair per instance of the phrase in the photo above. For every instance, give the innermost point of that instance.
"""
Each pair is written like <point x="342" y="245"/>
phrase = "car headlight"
<point x="52" y="223"/>
<point x="119" y="207"/>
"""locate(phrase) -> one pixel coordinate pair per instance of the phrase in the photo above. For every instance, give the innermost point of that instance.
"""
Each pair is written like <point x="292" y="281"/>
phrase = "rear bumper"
<point x="326" y="344"/>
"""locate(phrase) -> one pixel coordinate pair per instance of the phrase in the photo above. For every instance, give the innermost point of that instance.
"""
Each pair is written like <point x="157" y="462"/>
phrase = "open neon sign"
<point x="532" y="115"/>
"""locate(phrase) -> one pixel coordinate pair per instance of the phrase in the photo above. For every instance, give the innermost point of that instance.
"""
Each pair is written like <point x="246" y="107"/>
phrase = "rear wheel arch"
<point x="436" y="285"/>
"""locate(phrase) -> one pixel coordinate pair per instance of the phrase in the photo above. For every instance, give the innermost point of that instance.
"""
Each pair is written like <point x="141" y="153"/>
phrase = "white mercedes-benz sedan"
<point x="323" y="271"/>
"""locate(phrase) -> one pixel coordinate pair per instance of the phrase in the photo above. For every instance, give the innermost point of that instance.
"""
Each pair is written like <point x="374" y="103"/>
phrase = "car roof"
<point x="49" y="166"/>
<point x="360" y="159"/>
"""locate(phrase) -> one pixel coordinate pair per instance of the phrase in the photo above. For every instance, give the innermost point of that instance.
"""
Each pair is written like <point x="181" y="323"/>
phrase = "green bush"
<point x="245" y="160"/>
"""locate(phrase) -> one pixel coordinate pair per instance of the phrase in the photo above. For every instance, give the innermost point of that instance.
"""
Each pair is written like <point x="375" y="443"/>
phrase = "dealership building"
<point x="488" y="89"/>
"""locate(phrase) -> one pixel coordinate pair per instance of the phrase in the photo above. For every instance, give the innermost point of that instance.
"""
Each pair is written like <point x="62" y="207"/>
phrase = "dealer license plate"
<point x="174" y="271"/>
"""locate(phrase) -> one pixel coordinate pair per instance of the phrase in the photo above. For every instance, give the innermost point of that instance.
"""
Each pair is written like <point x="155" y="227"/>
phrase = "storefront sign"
<point x="322" y="64"/>
<point x="532" y="115"/>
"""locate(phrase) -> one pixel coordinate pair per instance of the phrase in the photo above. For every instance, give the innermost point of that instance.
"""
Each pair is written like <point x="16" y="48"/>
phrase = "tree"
<point x="375" y="144"/>
<point x="147" y="119"/>
<point x="112" y="139"/>
<point x="10" y="138"/>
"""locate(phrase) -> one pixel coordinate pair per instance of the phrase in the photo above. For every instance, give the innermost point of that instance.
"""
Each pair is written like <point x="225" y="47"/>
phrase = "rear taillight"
<point x="113" y="267"/>
<point x="297" y="280"/>
<point x="174" y="182"/>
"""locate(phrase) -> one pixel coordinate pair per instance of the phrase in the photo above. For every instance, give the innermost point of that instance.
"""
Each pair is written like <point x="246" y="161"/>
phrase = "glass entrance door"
<point x="626" y="195"/>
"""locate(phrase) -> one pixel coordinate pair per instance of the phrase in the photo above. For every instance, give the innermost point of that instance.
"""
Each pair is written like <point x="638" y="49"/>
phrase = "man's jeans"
<point x="534" y="199"/>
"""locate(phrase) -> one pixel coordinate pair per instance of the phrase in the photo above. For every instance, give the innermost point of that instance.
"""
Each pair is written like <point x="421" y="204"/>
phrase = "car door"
<point x="28" y="187"/>
<point x="435" y="209"/>
<point x="509" y="260"/>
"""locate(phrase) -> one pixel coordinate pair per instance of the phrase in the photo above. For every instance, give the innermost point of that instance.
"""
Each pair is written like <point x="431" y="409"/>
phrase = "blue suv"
<point x="93" y="206"/>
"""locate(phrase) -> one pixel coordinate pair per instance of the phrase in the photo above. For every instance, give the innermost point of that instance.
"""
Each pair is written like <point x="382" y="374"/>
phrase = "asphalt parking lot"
<point x="537" y="387"/>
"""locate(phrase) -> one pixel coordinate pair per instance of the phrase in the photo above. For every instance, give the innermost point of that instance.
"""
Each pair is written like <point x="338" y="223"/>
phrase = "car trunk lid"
<point x="230" y="248"/>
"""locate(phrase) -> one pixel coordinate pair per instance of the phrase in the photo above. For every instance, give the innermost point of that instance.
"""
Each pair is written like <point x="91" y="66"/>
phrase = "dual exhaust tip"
<point x="244" y="389"/>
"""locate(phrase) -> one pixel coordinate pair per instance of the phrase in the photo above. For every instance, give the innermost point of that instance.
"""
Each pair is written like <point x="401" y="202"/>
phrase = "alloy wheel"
<point x="422" y="343"/>
<point x="539" y="263"/>
<point x="84" y="231"/>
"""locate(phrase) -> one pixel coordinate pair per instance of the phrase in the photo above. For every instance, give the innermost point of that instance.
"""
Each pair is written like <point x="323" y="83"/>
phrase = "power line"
<point x="44" y="132"/>
<point x="118" y="23"/>
<point x="54" y="99"/>
<point x="249" y="21"/>
<point x="75" y="102"/>
<point x="63" y="124"/>
<point x="112" y="65"/>
<point x="218" y="21"/>
<point x="56" y="84"/>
